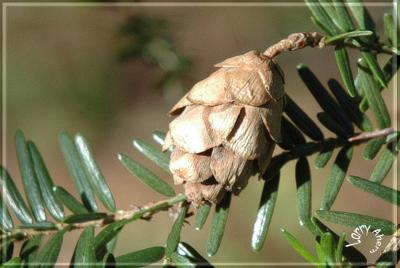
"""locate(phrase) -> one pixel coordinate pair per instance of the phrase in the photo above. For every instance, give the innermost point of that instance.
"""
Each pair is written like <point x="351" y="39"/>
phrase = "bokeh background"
<point x="64" y="73"/>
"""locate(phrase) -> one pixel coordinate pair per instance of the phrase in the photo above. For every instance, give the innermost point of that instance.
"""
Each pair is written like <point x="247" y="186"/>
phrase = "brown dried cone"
<point x="227" y="125"/>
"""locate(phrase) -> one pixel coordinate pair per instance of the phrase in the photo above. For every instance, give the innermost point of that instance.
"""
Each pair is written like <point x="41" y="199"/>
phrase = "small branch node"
<point x="294" y="42"/>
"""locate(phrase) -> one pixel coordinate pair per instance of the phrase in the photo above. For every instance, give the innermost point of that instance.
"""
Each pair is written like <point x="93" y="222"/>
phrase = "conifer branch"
<point x="142" y="212"/>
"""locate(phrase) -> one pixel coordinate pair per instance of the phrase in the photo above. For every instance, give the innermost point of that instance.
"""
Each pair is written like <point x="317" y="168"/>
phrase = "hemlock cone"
<point x="226" y="128"/>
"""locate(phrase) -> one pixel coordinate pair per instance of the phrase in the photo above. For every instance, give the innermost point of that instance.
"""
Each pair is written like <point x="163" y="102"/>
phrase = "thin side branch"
<point x="298" y="41"/>
<point x="382" y="48"/>
<point x="143" y="212"/>
<point x="371" y="135"/>
<point x="310" y="148"/>
<point x="295" y="41"/>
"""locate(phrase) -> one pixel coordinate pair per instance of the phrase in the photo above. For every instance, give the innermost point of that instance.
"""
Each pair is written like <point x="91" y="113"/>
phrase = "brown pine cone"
<point x="226" y="128"/>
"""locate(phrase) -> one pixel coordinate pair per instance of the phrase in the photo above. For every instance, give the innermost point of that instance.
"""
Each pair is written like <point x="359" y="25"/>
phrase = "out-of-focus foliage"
<point x="147" y="39"/>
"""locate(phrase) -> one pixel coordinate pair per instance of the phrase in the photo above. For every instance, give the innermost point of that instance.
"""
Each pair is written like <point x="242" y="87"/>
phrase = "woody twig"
<point x="294" y="42"/>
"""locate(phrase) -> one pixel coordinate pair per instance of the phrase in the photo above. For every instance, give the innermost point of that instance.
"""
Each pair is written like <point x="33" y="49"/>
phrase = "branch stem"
<point x="382" y="48"/>
<point x="298" y="41"/>
<point x="371" y="135"/>
<point x="295" y="41"/>
<point x="144" y="212"/>
<point x="310" y="148"/>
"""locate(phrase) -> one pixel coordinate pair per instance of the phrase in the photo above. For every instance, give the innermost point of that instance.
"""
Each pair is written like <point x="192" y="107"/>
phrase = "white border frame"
<point x="177" y="4"/>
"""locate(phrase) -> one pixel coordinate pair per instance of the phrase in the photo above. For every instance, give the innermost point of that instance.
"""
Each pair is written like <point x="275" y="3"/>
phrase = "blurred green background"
<point x="63" y="73"/>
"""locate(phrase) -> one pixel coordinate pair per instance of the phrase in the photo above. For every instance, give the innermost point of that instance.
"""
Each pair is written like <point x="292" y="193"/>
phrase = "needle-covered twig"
<point x="142" y="212"/>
